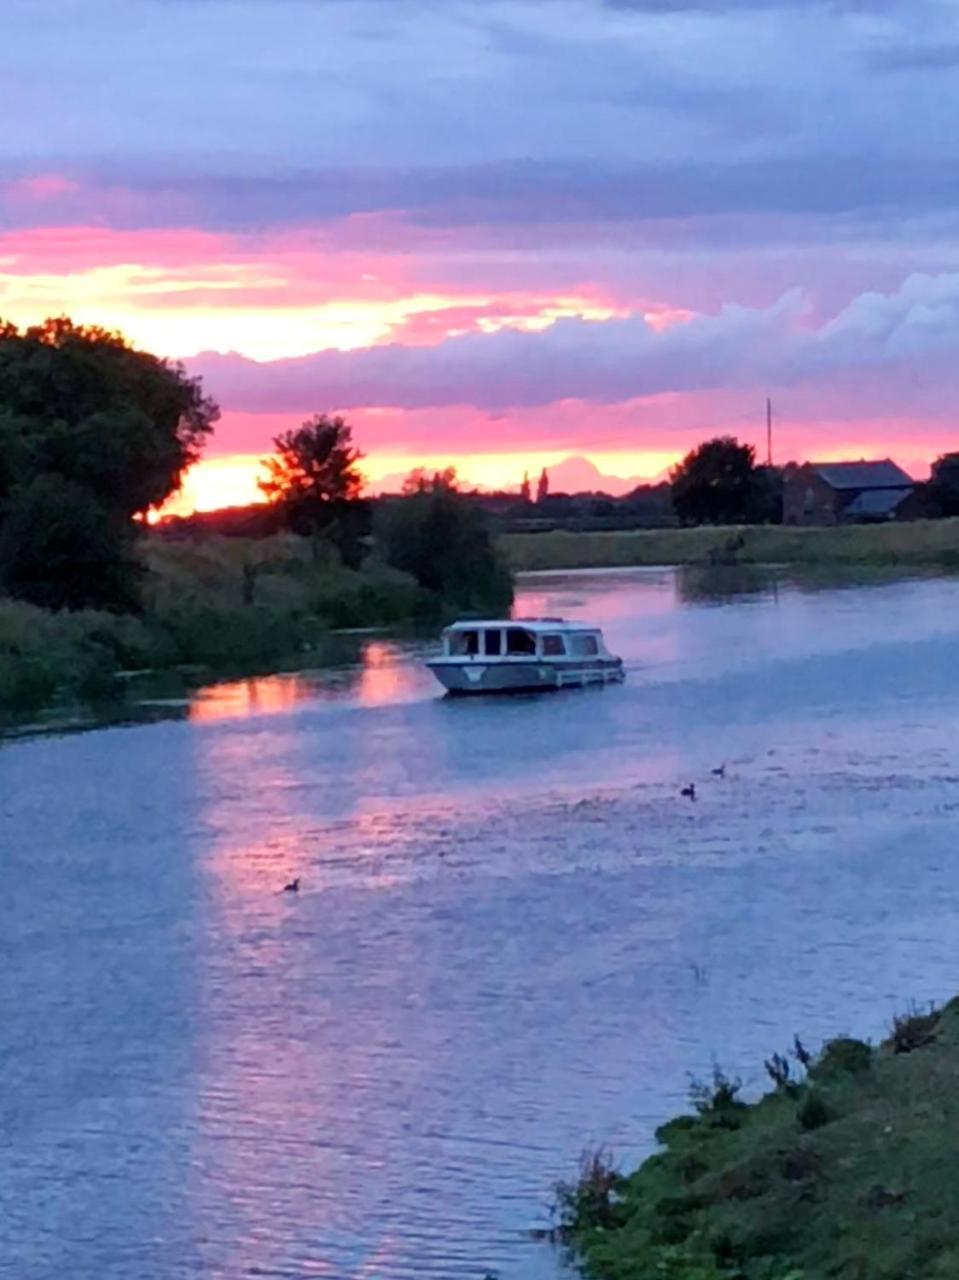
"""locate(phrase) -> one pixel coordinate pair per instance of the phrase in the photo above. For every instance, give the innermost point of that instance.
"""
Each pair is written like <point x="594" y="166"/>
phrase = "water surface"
<point x="513" y="940"/>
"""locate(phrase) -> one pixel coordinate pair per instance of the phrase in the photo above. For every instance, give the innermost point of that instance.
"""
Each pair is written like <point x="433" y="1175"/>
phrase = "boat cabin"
<point x="532" y="638"/>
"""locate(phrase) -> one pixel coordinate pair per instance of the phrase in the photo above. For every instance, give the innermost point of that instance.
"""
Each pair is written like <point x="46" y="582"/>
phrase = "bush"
<point x="913" y="1030"/>
<point x="442" y="539"/>
<point x="590" y="1201"/>
<point x="843" y="1056"/>
<point x="813" y="1113"/>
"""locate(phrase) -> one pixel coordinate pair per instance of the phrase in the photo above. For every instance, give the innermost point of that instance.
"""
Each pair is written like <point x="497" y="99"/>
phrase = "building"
<point x="847" y="493"/>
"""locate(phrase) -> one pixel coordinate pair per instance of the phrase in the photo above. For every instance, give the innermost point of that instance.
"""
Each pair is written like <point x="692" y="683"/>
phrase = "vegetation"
<point x="314" y="478"/>
<point x="941" y="492"/>
<point x="227" y="604"/>
<point x="92" y="434"/>
<point x="844" y="1173"/>
<point x="442" y="539"/>
<point x="920" y="542"/>
<point x="718" y="482"/>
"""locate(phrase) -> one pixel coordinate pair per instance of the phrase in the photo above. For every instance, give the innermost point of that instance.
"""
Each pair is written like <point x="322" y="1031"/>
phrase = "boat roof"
<point x="526" y="624"/>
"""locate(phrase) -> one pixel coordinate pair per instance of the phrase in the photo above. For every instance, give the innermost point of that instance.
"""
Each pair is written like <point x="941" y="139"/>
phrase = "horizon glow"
<point x="573" y="267"/>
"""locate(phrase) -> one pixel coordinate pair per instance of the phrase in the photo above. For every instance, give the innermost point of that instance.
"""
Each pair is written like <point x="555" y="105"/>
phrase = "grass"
<point x="920" y="542"/>
<point x="227" y="604"/>
<point x="845" y="1174"/>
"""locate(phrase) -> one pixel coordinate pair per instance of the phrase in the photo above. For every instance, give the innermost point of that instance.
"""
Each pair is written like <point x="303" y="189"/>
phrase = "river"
<point x="514" y="938"/>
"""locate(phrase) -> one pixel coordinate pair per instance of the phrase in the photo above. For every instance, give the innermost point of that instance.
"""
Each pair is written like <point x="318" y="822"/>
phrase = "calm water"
<point x="514" y="940"/>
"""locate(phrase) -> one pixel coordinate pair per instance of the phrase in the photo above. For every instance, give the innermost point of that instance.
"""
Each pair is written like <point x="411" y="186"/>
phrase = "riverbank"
<point x="921" y="542"/>
<point x="843" y="1169"/>
<point x="224" y="605"/>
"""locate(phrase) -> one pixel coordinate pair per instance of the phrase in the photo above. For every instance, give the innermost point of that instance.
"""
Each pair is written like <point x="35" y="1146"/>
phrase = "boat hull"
<point x="477" y="676"/>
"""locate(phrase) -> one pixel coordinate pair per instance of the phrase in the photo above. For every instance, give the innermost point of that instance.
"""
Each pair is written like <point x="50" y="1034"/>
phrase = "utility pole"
<point x="769" y="432"/>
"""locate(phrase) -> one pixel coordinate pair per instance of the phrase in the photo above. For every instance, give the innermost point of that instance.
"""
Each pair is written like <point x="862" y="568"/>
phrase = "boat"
<point x="515" y="655"/>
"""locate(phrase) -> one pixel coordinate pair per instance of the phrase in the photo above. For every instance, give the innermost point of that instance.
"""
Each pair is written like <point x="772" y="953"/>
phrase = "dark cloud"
<point x="515" y="194"/>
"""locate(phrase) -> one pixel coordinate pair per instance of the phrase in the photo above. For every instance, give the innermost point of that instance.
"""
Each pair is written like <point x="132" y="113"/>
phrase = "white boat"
<point x="518" y="654"/>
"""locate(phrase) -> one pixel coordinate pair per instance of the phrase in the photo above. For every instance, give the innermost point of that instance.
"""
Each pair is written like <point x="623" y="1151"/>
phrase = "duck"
<point x="689" y="792"/>
<point x="293" y="886"/>
<point x="720" y="771"/>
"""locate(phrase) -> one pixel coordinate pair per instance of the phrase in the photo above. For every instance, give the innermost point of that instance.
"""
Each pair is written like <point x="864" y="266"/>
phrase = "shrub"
<point x="913" y="1029"/>
<point x="843" y="1056"/>
<point x="442" y="539"/>
<point x="590" y="1201"/>
<point x="814" y="1113"/>
<point x="717" y="1098"/>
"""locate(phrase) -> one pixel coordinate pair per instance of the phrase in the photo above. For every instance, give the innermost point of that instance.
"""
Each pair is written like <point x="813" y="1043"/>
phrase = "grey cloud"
<point x="510" y="194"/>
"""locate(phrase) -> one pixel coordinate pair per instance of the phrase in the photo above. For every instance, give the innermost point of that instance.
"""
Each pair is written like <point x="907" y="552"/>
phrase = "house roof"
<point x="874" y="503"/>
<point x="883" y="474"/>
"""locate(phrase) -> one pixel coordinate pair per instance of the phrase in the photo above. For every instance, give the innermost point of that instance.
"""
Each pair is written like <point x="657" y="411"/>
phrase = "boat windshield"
<point x="464" y="644"/>
<point x="585" y="646"/>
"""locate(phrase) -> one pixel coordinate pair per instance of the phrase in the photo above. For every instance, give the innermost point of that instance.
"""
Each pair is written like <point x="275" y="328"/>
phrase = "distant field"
<point x="922" y="542"/>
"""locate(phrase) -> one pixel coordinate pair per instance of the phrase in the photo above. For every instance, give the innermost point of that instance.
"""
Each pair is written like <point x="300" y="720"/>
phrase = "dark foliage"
<point x="78" y="402"/>
<point x="941" y="494"/>
<point x="718" y="482"/>
<point x="315" y="478"/>
<point x="59" y="549"/>
<point x="440" y="537"/>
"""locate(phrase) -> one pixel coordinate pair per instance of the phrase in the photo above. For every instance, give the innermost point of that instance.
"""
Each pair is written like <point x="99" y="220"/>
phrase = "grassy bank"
<point x="844" y="1170"/>
<point x="923" y="542"/>
<point x="222" y="604"/>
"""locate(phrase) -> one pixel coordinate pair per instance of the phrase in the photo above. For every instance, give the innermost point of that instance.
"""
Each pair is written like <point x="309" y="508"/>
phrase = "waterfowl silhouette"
<point x="689" y="792"/>
<point x="293" y="886"/>
<point x="720" y="772"/>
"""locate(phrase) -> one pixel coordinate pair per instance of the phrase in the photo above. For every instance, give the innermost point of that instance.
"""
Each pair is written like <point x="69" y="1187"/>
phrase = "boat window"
<point x="585" y="646"/>
<point x="494" y="643"/>
<point x="553" y="646"/>
<point x="464" y="644"/>
<point x="520" y="641"/>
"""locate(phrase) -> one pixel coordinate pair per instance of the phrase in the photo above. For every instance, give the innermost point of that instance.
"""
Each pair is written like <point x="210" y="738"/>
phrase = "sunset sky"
<point x="502" y="233"/>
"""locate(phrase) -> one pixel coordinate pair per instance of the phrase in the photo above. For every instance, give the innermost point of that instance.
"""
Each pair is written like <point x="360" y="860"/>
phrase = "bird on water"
<point x="293" y="886"/>
<point x="689" y="792"/>
<point x="720" y="771"/>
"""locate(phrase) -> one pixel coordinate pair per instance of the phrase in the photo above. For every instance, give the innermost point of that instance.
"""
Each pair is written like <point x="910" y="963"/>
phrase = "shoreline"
<point x="920" y="543"/>
<point x="841" y="1169"/>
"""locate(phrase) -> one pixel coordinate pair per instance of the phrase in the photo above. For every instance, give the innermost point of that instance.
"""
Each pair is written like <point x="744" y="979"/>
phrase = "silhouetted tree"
<point x="718" y="483"/>
<point x="942" y="490"/>
<point x="542" y="488"/>
<point x="79" y="402"/>
<point x="315" y="477"/>
<point x="420" y="480"/>
<point x="59" y="549"/>
<point x="525" y="493"/>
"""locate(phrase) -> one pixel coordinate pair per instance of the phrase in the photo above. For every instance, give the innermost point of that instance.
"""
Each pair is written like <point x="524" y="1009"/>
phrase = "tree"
<point x="80" y="403"/>
<point x="542" y="488"/>
<point x="315" y="477"/>
<point x="718" y="483"/>
<point x="942" y="490"/>
<point x="59" y="549"/>
<point x="525" y="494"/>
<point x="419" y="480"/>
<point x="441" y="537"/>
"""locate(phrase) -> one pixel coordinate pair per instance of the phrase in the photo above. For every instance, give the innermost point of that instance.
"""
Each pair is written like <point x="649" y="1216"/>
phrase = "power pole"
<point x="769" y="432"/>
